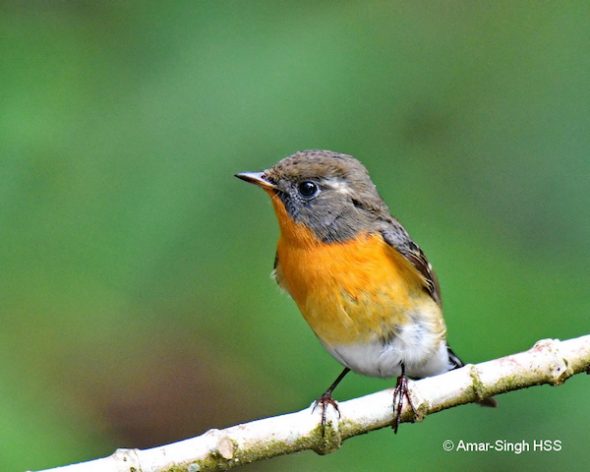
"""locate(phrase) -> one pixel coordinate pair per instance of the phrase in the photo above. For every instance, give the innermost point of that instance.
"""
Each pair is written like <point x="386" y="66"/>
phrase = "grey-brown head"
<point x="330" y="193"/>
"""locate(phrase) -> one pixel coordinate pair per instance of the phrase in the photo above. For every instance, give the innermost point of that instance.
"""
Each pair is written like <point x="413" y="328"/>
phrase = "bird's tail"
<point x="457" y="363"/>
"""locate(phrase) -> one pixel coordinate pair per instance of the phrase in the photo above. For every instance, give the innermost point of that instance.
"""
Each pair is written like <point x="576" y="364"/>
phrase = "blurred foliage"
<point x="136" y="306"/>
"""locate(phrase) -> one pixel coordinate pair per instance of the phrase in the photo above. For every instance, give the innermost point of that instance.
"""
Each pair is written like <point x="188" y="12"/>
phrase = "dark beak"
<point x="256" y="178"/>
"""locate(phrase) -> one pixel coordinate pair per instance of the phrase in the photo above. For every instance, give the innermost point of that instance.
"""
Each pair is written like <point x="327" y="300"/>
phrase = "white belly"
<point x="423" y="353"/>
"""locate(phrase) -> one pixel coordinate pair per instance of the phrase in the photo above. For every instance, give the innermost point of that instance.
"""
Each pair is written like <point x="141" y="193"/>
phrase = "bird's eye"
<point x="308" y="189"/>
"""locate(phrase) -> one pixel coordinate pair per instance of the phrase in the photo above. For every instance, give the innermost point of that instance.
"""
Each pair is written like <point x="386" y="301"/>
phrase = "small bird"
<point x="362" y="284"/>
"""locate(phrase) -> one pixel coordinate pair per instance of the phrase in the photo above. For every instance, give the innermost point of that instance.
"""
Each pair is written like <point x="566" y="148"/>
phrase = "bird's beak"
<point x="257" y="178"/>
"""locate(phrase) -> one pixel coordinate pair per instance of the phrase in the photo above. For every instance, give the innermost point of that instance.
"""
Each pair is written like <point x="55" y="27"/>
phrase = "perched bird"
<point x="362" y="284"/>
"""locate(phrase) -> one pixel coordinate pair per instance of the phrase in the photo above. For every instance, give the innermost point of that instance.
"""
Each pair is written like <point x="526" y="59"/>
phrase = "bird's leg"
<point x="326" y="398"/>
<point x="401" y="391"/>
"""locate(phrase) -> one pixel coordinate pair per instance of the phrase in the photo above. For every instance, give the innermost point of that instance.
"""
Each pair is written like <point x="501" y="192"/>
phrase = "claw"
<point x="401" y="390"/>
<point x="325" y="400"/>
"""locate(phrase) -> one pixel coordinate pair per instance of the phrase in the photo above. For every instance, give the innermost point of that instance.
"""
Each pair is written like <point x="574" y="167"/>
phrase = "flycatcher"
<point x="362" y="284"/>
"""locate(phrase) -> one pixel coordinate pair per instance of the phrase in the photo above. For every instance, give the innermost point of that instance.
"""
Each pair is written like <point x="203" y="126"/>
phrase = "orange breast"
<point x="348" y="292"/>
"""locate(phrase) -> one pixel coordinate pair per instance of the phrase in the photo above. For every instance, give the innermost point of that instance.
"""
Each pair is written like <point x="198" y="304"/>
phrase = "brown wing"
<point x="397" y="237"/>
<point x="275" y="265"/>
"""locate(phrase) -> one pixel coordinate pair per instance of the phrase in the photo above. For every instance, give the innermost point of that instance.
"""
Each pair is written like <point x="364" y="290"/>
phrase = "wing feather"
<point x="398" y="238"/>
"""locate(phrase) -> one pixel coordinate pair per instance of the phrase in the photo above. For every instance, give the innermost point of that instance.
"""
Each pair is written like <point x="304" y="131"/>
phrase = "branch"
<point x="549" y="361"/>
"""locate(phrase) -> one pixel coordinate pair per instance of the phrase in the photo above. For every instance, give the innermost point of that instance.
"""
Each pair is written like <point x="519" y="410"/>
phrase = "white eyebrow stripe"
<point x="338" y="185"/>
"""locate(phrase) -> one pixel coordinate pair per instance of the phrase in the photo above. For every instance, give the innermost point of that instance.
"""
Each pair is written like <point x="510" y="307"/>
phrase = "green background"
<point x="136" y="306"/>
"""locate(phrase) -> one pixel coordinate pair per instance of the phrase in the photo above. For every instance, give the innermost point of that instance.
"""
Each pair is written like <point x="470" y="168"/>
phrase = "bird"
<point x="360" y="281"/>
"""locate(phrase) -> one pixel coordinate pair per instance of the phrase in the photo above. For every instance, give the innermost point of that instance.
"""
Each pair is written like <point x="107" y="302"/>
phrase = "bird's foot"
<point x="323" y="402"/>
<point x="401" y="391"/>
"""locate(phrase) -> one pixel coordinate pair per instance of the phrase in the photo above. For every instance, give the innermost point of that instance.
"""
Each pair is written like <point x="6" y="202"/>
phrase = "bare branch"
<point x="549" y="361"/>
